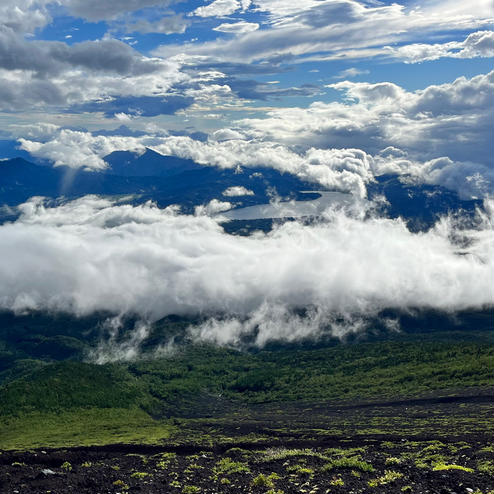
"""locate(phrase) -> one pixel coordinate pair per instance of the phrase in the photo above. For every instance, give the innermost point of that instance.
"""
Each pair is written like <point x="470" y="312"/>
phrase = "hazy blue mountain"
<point x="171" y="180"/>
<point x="148" y="164"/>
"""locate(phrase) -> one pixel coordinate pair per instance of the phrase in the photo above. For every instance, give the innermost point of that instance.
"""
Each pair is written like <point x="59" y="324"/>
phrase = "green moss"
<point x="226" y="466"/>
<point x="392" y="460"/>
<point x="265" y="480"/>
<point x="300" y="470"/>
<point x="139" y="475"/>
<point x="443" y="466"/>
<point x="121" y="484"/>
<point x="485" y="466"/>
<point x="348" y="462"/>
<point x="337" y="481"/>
<point x="190" y="489"/>
<point x="389" y="477"/>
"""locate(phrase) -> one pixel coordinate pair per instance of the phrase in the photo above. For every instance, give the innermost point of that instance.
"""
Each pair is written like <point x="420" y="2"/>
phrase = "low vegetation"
<point x="336" y="418"/>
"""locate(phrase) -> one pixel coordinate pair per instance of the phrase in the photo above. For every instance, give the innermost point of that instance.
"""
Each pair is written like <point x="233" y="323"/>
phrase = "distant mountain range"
<point x="171" y="180"/>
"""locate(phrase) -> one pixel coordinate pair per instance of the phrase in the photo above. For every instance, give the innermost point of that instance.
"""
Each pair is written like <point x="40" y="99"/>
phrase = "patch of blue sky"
<point x="71" y="30"/>
<point x="420" y="75"/>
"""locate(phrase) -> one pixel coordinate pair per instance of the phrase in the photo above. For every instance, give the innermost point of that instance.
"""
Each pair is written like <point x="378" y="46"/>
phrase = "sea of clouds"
<point x="95" y="255"/>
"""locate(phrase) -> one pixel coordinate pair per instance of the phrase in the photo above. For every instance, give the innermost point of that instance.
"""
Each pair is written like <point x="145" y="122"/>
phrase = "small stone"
<point x="47" y="471"/>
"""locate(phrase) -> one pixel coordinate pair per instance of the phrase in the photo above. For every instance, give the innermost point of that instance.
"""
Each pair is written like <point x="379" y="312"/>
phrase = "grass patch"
<point x="443" y="466"/>
<point x="353" y="463"/>
<point x="226" y="466"/>
<point x="389" y="477"/>
<point x="81" y="427"/>
<point x="265" y="480"/>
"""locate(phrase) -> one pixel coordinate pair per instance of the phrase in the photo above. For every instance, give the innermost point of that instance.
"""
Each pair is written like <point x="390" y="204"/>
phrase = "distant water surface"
<point x="291" y="209"/>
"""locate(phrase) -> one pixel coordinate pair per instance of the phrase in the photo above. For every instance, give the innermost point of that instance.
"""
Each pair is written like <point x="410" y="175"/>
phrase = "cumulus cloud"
<point x="236" y="191"/>
<point x="41" y="73"/>
<point x="44" y="57"/>
<point x="453" y="119"/>
<point x="343" y="169"/>
<point x="338" y="145"/>
<point x="81" y="149"/>
<point x="478" y="44"/>
<point x="39" y="131"/>
<point x="24" y="16"/>
<point x="212" y="208"/>
<point x="92" y="255"/>
<point x="226" y="135"/>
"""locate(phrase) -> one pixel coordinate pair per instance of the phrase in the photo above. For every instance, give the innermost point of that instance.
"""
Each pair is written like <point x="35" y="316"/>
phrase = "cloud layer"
<point x="92" y="255"/>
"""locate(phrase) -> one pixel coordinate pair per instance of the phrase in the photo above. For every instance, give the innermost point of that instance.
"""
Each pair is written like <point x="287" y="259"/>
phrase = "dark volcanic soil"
<point x="421" y="446"/>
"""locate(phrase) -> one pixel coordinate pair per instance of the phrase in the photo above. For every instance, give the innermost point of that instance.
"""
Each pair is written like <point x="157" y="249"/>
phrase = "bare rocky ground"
<point x="440" y="445"/>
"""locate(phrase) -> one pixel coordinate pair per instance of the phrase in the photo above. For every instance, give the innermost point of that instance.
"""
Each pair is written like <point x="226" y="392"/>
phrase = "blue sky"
<point x="186" y="76"/>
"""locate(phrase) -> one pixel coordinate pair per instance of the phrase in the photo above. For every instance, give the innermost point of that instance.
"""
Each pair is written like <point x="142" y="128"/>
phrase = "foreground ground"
<point x="407" y="412"/>
<point x="438" y="444"/>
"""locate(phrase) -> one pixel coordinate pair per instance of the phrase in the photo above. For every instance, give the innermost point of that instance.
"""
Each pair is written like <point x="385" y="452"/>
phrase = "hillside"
<point x="391" y="413"/>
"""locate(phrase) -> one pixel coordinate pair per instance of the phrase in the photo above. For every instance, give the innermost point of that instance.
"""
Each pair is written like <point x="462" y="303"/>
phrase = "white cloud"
<point x="212" y="208"/>
<point x="41" y="130"/>
<point x="240" y="27"/>
<point x="343" y="169"/>
<point x="349" y="73"/>
<point x="41" y="74"/>
<point x="24" y="16"/>
<point x="336" y="30"/>
<point x="167" y="25"/>
<point x="98" y="10"/>
<point x="236" y="191"/>
<point x="218" y="8"/>
<point x="90" y="255"/>
<point x="478" y="44"/>
<point x="337" y="144"/>
<point x="454" y="119"/>
<point x="80" y="149"/>
<point x="226" y="135"/>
